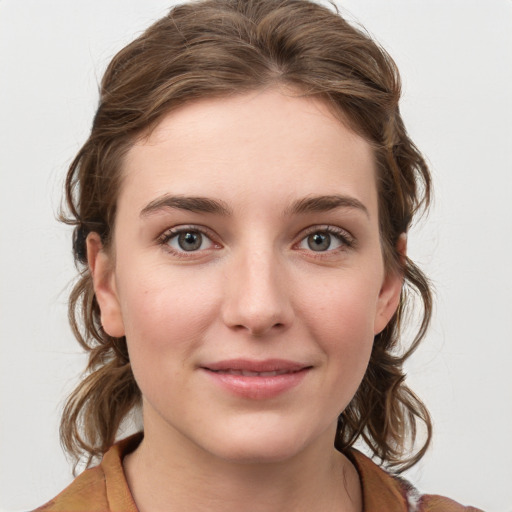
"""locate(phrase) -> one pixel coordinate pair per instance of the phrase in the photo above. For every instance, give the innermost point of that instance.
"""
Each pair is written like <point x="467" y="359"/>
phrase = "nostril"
<point x="259" y="330"/>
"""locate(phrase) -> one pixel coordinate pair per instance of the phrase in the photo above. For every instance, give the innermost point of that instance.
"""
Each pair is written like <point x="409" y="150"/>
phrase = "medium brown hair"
<point x="216" y="48"/>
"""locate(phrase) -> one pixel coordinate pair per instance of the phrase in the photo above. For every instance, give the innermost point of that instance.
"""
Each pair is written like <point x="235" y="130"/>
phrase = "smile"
<point x="257" y="380"/>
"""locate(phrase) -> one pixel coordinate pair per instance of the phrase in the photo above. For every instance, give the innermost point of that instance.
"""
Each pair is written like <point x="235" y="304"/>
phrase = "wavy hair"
<point x="216" y="48"/>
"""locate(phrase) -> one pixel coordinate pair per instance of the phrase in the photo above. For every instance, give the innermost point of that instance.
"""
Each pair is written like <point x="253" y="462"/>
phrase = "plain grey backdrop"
<point x="455" y="57"/>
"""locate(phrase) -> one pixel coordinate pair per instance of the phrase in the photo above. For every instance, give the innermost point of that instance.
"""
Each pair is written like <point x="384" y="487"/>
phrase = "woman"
<point x="241" y="210"/>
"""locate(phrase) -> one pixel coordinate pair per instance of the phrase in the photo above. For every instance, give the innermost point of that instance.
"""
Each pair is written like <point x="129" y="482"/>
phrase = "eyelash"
<point x="344" y="237"/>
<point x="171" y="233"/>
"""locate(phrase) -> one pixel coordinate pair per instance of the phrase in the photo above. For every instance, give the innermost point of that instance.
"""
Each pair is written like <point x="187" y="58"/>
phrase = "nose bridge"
<point x="257" y="299"/>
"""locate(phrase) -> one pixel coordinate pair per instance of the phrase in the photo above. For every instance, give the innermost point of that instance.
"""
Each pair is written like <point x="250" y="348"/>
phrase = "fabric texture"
<point x="104" y="488"/>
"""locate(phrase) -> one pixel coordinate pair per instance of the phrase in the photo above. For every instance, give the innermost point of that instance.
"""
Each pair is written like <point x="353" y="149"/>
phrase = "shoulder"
<point x="99" y="489"/>
<point x="86" y="493"/>
<point x="384" y="492"/>
<point x="434" y="503"/>
<point x="428" y="502"/>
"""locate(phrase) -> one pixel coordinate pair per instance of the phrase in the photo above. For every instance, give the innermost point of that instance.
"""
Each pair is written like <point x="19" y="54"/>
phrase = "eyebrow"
<point x="206" y="205"/>
<point x="325" y="204"/>
<point x="191" y="204"/>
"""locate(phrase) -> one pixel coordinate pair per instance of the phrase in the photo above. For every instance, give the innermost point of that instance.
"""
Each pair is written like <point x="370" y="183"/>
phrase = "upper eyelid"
<point x="176" y="230"/>
<point x="326" y="227"/>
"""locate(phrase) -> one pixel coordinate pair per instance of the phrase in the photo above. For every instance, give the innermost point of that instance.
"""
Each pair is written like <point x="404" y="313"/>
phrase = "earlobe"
<point x="101" y="269"/>
<point x="391" y="290"/>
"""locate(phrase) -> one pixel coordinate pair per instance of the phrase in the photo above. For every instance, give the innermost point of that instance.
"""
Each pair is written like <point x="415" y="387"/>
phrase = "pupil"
<point x="319" y="241"/>
<point x="190" y="241"/>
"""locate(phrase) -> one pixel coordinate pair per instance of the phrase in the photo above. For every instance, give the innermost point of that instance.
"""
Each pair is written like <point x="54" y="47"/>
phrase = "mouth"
<point x="257" y="379"/>
<point x="247" y="373"/>
<point x="253" y="368"/>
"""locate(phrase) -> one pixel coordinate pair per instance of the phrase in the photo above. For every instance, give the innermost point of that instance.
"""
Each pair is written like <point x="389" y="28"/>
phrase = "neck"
<point x="179" y="474"/>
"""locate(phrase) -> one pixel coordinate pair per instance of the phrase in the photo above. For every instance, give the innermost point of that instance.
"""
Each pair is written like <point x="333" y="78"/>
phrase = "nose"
<point x="257" y="294"/>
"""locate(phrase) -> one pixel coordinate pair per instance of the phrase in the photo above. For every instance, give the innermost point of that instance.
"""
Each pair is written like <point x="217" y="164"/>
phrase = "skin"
<point x="254" y="289"/>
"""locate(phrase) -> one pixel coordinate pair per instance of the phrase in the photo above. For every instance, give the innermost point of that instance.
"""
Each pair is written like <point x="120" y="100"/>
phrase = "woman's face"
<point x="246" y="274"/>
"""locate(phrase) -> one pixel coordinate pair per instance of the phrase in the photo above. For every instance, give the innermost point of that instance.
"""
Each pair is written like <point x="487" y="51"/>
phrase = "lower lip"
<point x="258" y="388"/>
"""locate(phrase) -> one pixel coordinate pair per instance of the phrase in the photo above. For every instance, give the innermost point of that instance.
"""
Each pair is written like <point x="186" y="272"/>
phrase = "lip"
<point x="257" y="380"/>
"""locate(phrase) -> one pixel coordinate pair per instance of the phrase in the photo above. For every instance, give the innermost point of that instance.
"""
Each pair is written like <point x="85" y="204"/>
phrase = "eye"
<point x="185" y="240"/>
<point x="325" y="240"/>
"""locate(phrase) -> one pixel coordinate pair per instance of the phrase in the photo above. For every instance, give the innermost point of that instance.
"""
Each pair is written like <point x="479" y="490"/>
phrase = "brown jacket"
<point x="104" y="488"/>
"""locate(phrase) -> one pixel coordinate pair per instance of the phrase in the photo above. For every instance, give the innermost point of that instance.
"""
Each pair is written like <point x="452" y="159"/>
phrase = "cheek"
<point x="165" y="317"/>
<point x="347" y="309"/>
<point x="342" y="319"/>
<point x="165" y="312"/>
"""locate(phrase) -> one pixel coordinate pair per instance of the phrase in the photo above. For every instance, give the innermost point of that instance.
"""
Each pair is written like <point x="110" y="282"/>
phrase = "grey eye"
<point x="187" y="240"/>
<point x="319" y="241"/>
<point x="190" y="240"/>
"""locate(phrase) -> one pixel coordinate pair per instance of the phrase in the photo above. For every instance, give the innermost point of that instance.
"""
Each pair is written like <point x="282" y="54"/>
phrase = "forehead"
<point x="262" y="146"/>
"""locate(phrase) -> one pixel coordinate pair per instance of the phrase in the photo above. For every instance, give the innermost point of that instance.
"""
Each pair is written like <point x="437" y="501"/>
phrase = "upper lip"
<point x="250" y="365"/>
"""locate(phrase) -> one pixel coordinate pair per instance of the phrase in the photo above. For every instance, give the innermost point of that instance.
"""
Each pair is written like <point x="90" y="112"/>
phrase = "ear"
<point x="103" y="278"/>
<point x="389" y="295"/>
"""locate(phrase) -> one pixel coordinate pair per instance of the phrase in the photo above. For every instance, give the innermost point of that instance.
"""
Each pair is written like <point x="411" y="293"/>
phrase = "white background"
<point x="456" y="60"/>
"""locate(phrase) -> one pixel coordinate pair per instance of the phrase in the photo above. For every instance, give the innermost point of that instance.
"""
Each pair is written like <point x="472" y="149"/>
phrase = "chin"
<point x="264" y="444"/>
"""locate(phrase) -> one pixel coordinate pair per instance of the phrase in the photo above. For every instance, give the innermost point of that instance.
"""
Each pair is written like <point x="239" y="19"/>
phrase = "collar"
<point x="382" y="492"/>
